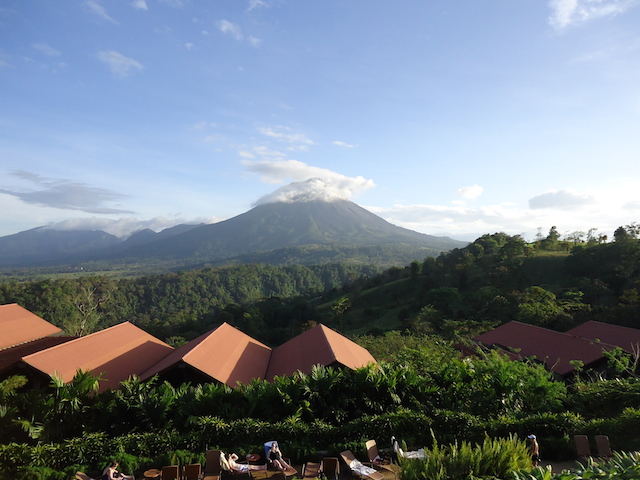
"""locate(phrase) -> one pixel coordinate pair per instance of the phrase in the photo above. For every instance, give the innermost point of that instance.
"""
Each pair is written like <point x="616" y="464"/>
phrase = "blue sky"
<point x="449" y="118"/>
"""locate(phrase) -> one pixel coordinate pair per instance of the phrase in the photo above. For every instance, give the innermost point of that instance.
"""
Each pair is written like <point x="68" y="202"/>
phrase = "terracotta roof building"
<point x="628" y="339"/>
<point x="229" y="356"/>
<point x="554" y="349"/>
<point x="318" y="345"/>
<point x="116" y="352"/>
<point x="18" y="325"/>
<point x="224" y="354"/>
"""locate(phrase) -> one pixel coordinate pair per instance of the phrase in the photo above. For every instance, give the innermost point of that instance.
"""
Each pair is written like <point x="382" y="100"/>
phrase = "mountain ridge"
<point x="262" y="229"/>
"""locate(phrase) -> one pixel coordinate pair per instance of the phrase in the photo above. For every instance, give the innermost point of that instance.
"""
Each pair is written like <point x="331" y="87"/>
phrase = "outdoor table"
<point x="152" y="473"/>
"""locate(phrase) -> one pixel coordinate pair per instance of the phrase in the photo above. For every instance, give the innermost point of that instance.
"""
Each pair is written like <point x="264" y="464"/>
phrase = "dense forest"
<point x="552" y="282"/>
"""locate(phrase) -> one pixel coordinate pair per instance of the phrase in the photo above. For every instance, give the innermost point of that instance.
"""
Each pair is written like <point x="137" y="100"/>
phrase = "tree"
<point x="538" y="307"/>
<point x="551" y="241"/>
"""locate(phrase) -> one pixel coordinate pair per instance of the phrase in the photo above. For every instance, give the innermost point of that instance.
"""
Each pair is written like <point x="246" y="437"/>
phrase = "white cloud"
<point x="139" y="5"/>
<point x="312" y="189"/>
<point x="233" y="29"/>
<point x="338" y="143"/>
<point x="118" y="63"/>
<point x="256" y="4"/>
<point x="47" y="49"/>
<point x="124" y="227"/>
<point x="229" y="28"/>
<point x="470" y="193"/>
<point x="309" y="182"/>
<point x="295" y="141"/>
<point x="565" y="13"/>
<point x="561" y="199"/>
<point x="97" y="9"/>
<point x="254" y="42"/>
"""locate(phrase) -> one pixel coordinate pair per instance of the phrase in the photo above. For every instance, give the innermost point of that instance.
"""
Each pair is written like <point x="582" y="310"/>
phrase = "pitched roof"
<point x="18" y="325"/>
<point x="318" y="345"/>
<point x="10" y="357"/>
<point x="624" y="337"/>
<point x="118" y="352"/>
<point x="554" y="349"/>
<point x="225" y="354"/>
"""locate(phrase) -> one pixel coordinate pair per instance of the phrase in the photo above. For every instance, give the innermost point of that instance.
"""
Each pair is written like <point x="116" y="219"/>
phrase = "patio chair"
<point x="171" y="472"/>
<point x="330" y="468"/>
<point x="212" y="465"/>
<point x="358" y="469"/>
<point x="375" y="460"/>
<point x="192" y="472"/>
<point x="311" y="470"/>
<point x="398" y="452"/>
<point x="602" y="444"/>
<point x="582" y="446"/>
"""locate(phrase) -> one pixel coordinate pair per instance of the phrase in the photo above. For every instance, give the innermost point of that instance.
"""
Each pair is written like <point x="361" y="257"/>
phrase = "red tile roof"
<point x="318" y="345"/>
<point x="10" y="357"/>
<point x="118" y="352"/>
<point x="552" y="348"/>
<point x="225" y="354"/>
<point x="18" y="325"/>
<point x="624" y="337"/>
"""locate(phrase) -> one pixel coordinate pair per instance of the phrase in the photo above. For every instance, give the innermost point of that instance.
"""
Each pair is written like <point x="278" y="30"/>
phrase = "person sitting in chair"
<point x="242" y="467"/>
<point x="111" y="473"/>
<point x="275" y="457"/>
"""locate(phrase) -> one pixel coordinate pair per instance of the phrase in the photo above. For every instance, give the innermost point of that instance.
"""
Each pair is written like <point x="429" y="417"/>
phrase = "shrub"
<point x="493" y="458"/>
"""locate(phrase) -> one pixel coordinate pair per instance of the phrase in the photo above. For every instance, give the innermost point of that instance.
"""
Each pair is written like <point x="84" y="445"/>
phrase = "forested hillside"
<point x="250" y="297"/>
<point x="498" y="278"/>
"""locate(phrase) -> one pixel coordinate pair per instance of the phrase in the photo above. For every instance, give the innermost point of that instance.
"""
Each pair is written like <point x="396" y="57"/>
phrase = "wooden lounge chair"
<point x="358" y="469"/>
<point x="171" y="472"/>
<point x="330" y="468"/>
<point x="582" y="446"/>
<point x="377" y="461"/>
<point x="311" y="470"/>
<point x="602" y="444"/>
<point x="212" y="467"/>
<point x="192" y="472"/>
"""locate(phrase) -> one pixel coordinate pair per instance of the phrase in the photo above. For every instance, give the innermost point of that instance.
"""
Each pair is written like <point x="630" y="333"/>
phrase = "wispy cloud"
<point x="561" y="199"/>
<point x="470" y="193"/>
<point x="233" y="29"/>
<point x="230" y="28"/>
<point x="294" y="141"/>
<point x="124" y="227"/>
<point x="139" y="5"/>
<point x="118" y="63"/>
<point x="64" y="194"/>
<point x="565" y="13"/>
<point x="97" y="9"/>
<point x="47" y="49"/>
<point x="253" y="4"/>
<point x="339" y="143"/>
